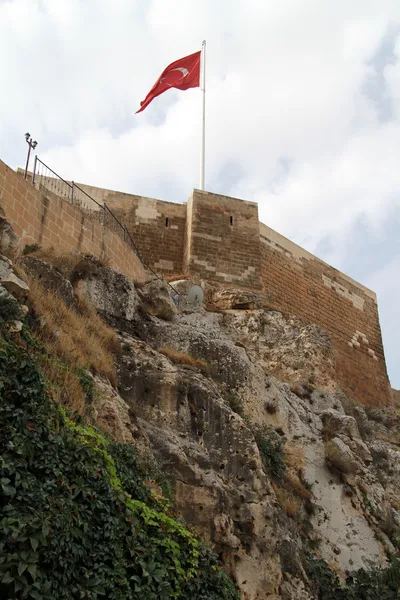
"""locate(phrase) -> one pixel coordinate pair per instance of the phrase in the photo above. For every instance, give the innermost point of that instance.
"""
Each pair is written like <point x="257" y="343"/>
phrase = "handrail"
<point x="54" y="173"/>
<point x="104" y="208"/>
<point x="86" y="194"/>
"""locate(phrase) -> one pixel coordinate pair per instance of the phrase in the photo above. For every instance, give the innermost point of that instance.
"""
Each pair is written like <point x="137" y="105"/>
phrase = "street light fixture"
<point x="31" y="145"/>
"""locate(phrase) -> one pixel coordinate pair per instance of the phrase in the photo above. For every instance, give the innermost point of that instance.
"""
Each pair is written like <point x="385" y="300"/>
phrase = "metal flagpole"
<point x="203" y="130"/>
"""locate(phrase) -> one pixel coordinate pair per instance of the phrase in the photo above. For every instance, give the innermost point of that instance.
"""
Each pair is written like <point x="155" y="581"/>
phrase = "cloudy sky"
<point x="303" y="114"/>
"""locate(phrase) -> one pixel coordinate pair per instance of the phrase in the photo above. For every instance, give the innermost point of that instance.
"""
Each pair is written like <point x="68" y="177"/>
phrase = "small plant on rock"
<point x="183" y="358"/>
<point x="9" y="308"/>
<point x="29" y="248"/>
<point x="270" y="446"/>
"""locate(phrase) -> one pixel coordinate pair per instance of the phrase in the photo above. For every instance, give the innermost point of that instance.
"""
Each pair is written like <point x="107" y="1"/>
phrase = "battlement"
<point x="220" y="239"/>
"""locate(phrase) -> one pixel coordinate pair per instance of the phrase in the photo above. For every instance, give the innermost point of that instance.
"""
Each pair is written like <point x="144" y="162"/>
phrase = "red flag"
<point x="181" y="74"/>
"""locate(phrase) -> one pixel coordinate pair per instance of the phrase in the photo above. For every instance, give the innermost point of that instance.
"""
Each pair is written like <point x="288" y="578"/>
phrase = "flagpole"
<point x="203" y="130"/>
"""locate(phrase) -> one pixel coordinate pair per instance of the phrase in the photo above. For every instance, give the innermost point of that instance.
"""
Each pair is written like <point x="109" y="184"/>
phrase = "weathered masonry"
<point x="219" y="239"/>
<point x="44" y="218"/>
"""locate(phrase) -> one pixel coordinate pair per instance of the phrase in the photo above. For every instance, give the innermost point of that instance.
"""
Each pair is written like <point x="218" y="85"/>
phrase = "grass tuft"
<point x="67" y="263"/>
<point x="183" y="358"/>
<point x="80" y="339"/>
<point x="287" y="500"/>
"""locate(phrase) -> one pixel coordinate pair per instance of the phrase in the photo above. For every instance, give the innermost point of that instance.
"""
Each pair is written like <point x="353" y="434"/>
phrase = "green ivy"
<point x="77" y="521"/>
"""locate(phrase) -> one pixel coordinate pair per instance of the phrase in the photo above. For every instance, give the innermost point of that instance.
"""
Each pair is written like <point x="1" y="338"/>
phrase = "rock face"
<point x="13" y="284"/>
<point x="110" y="292"/>
<point x="52" y="279"/>
<point x="157" y="300"/>
<point x="193" y="419"/>
<point x="210" y="393"/>
<point x="9" y="241"/>
<point x="236" y="299"/>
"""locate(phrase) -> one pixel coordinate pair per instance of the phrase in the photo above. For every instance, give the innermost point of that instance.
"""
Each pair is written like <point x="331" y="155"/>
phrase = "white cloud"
<point x="289" y="123"/>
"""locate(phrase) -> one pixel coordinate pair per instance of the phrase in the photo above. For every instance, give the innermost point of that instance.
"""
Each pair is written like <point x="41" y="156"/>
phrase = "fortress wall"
<point x="43" y="218"/>
<point x="158" y="228"/>
<point x="223" y="242"/>
<point x="303" y="285"/>
<point x="219" y="239"/>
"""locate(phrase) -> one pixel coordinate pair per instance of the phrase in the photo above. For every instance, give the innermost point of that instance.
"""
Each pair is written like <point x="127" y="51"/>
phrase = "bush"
<point x="9" y="308"/>
<point x="287" y="500"/>
<point x="234" y="402"/>
<point x="76" y="519"/>
<point x="29" y="248"/>
<point x="361" y="585"/>
<point x="270" y="446"/>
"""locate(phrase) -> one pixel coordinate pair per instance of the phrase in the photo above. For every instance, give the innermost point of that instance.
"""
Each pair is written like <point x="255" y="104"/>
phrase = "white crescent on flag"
<point x="184" y="71"/>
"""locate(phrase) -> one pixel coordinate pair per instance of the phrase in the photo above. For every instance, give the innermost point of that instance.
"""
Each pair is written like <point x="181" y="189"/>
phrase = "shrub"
<point x="360" y="585"/>
<point x="29" y="248"/>
<point x="287" y="500"/>
<point x="234" y="402"/>
<point x="270" y="446"/>
<point x="298" y="486"/>
<point x="271" y="405"/>
<point x="9" y="308"/>
<point x="302" y="389"/>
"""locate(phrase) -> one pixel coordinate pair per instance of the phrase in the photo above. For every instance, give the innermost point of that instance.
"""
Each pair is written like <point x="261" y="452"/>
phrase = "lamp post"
<point x="31" y="145"/>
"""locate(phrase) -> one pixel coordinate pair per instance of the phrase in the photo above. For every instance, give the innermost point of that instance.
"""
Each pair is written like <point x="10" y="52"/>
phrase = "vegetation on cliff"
<point x="77" y="520"/>
<point x="362" y="585"/>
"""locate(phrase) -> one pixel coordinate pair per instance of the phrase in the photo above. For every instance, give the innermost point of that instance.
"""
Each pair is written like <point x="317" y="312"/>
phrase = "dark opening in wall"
<point x="231" y="220"/>
<point x="166" y="221"/>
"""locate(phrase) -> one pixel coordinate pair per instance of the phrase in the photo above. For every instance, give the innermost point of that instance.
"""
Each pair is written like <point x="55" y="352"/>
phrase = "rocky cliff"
<point x="237" y="404"/>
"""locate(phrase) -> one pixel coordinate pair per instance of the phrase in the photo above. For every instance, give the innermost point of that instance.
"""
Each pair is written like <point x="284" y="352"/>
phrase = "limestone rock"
<point x="219" y="482"/>
<point x="338" y="424"/>
<point x="157" y="299"/>
<point x="5" y="293"/>
<point x="13" y="284"/>
<point x="339" y="456"/>
<point x="284" y="347"/>
<point x="236" y="299"/>
<point x="110" y="292"/>
<point x="111" y="414"/>
<point x="24" y="311"/>
<point x="192" y="420"/>
<point x="15" y="326"/>
<point x="49" y="277"/>
<point x="9" y="241"/>
<point x="5" y="266"/>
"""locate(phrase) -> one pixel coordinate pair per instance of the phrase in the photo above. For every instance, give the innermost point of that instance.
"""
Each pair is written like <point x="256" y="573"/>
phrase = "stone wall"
<point x="158" y="228"/>
<point x="45" y="219"/>
<point x="223" y="240"/>
<point x="301" y="284"/>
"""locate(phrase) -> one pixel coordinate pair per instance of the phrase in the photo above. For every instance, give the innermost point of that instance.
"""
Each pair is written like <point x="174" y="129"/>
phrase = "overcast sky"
<point x="303" y="114"/>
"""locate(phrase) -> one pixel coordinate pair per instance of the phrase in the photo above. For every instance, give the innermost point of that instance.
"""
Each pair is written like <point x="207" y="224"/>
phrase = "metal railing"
<point x="44" y="177"/>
